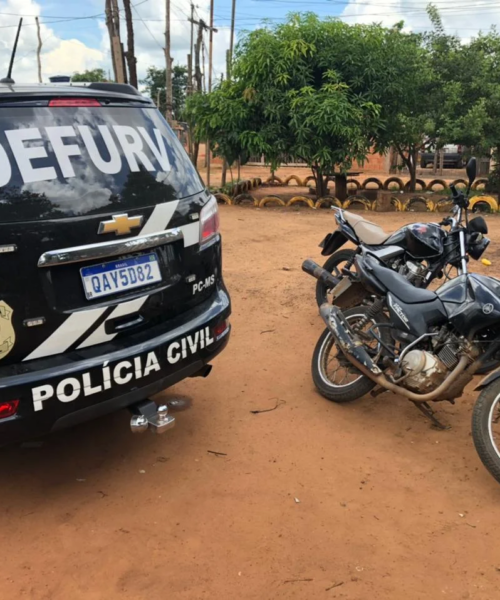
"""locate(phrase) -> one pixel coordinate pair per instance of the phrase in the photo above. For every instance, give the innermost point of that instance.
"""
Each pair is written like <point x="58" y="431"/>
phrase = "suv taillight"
<point x="78" y="102"/>
<point x="8" y="409"/>
<point x="209" y="221"/>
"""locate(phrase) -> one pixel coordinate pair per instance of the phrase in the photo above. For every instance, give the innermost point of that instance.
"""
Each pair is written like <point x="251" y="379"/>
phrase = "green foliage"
<point x="309" y="88"/>
<point x="155" y="83"/>
<point x="327" y="92"/>
<point x="90" y="76"/>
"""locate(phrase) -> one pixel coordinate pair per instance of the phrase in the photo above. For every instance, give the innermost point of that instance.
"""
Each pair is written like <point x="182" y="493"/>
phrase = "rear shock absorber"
<point x="373" y="310"/>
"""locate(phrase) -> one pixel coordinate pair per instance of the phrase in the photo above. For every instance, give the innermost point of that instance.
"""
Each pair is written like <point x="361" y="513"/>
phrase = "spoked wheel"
<point x="486" y="428"/>
<point x="334" y="376"/>
<point x="333" y="265"/>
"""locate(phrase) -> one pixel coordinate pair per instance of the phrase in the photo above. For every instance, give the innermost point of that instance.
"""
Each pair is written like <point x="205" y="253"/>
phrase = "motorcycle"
<point x="424" y="345"/>
<point x="421" y="252"/>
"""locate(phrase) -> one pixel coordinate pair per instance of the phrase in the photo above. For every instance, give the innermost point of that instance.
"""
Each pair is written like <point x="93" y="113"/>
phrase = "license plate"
<point x="119" y="276"/>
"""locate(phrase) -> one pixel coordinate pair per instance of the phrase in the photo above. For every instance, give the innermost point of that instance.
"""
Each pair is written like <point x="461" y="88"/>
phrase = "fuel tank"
<point x="420" y="240"/>
<point x="472" y="302"/>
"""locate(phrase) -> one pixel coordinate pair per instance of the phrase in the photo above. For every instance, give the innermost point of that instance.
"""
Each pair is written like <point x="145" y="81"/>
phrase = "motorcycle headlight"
<point x="477" y="245"/>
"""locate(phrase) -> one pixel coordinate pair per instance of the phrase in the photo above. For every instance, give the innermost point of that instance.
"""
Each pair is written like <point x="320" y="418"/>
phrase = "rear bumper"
<point x="62" y="391"/>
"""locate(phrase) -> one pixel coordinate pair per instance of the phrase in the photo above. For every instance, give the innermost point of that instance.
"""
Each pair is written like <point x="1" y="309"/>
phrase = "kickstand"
<point x="424" y="408"/>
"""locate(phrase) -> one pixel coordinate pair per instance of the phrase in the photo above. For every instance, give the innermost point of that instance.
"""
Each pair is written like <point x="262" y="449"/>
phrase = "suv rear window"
<point x="61" y="162"/>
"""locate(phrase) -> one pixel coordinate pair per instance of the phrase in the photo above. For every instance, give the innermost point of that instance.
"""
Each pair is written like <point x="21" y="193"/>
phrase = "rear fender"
<point x="348" y="294"/>
<point x="485" y="381"/>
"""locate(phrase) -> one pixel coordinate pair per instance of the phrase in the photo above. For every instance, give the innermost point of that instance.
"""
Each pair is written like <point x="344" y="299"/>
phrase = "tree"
<point x="411" y="105"/>
<point x="91" y="76"/>
<point x="309" y="88"/>
<point x="155" y="84"/>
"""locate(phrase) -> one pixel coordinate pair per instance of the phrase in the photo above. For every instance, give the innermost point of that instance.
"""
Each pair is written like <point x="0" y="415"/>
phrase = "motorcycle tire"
<point x="331" y="265"/>
<point x="482" y="417"/>
<point x="355" y="389"/>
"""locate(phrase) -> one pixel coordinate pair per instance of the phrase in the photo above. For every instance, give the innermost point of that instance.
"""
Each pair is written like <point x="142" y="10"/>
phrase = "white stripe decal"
<point x="99" y="336"/>
<point x="160" y="217"/>
<point x="67" y="333"/>
<point x="191" y="234"/>
<point x="79" y="322"/>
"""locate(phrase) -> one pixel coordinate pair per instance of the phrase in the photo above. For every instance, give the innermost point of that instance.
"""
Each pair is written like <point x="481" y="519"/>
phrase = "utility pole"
<point x="113" y="25"/>
<point x="130" y="54"/>
<point x="38" y="50"/>
<point x="211" y="45"/>
<point x="168" y="65"/>
<point x="231" y="40"/>
<point x="199" y="54"/>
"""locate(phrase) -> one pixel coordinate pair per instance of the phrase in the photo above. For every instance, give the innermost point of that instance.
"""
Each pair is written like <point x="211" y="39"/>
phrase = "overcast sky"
<point x="75" y="37"/>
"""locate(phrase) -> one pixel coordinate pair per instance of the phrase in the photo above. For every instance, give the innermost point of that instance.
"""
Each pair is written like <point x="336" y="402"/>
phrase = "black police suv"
<point x="110" y="259"/>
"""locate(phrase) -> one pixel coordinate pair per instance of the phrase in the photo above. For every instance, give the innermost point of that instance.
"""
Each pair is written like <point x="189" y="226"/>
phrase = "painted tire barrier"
<point x="419" y="182"/>
<point x="416" y="200"/>
<point x="394" y="180"/>
<point x="443" y="205"/>
<point x="430" y="186"/>
<point x="479" y="182"/>
<point x="295" y="178"/>
<point x="301" y="200"/>
<point x="328" y="201"/>
<point x="243" y="198"/>
<point x="459" y="182"/>
<point x="484" y="204"/>
<point x="399" y="205"/>
<point x="223" y="199"/>
<point x="270" y="200"/>
<point x="353" y="182"/>
<point x="354" y="201"/>
<point x="274" y="179"/>
<point x="366" y="182"/>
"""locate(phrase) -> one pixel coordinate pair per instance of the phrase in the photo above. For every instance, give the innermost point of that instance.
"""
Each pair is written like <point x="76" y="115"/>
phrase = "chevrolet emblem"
<point x="120" y="224"/>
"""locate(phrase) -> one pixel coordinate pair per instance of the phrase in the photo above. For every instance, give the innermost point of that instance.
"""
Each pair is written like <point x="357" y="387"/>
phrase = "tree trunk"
<point x="321" y="182"/>
<point x="224" y="173"/>
<point x="496" y="188"/>
<point x="194" y="159"/>
<point x="412" y="168"/>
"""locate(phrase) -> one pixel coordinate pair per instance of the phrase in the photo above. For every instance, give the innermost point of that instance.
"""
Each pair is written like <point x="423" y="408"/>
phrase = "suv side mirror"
<point x="471" y="170"/>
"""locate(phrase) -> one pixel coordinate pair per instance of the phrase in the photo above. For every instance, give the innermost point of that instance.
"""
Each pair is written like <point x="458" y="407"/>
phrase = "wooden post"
<point x="210" y="59"/>
<point x="130" y="54"/>
<point x="38" y="50"/>
<point x="168" y="64"/>
<point x="231" y="40"/>
<point x="189" y="90"/>
<point x="113" y="25"/>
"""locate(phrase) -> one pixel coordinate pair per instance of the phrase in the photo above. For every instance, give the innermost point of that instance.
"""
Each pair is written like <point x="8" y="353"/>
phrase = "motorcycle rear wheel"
<point x="486" y="428"/>
<point x="351" y="384"/>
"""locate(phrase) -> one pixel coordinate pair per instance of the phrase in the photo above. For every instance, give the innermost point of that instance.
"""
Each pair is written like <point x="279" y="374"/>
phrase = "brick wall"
<point x="375" y="162"/>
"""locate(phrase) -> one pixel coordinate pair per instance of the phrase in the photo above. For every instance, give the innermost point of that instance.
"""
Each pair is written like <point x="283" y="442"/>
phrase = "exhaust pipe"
<point x="312" y="268"/>
<point x="149" y="416"/>
<point x="359" y="357"/>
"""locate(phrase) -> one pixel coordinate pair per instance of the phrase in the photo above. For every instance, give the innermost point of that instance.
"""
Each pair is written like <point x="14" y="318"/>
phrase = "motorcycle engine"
<point x="423" y="371"/>
<point x="415" y="271"/>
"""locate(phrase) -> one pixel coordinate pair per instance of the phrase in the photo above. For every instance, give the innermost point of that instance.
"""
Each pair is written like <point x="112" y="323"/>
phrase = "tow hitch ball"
<point x="146" y="415"/>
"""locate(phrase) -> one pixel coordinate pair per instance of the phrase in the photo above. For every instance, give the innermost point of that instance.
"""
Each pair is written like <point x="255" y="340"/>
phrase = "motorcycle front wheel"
<point x="335" y="378"/>
<point x="486" y="428"/>
<point x="333" y="265"/>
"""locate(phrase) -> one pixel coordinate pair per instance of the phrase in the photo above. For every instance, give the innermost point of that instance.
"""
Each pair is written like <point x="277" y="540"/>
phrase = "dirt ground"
<point x="311" y="500"/>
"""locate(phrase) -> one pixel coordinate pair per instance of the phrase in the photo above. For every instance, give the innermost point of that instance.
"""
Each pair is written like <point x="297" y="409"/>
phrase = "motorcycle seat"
<point x="369" y="233"/>
<point x="398" y="285"/>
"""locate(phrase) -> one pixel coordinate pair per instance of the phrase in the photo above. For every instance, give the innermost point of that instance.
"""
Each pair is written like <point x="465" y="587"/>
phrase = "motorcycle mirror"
<point x="471" y="170"/>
